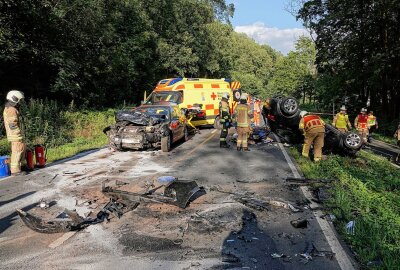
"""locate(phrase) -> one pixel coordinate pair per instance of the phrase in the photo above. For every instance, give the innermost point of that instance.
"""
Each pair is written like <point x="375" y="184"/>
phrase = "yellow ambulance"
<point x="194" y="92"/>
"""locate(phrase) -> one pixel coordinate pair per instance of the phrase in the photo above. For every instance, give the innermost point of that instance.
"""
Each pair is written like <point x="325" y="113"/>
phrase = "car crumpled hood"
<point x="137" y="118"/>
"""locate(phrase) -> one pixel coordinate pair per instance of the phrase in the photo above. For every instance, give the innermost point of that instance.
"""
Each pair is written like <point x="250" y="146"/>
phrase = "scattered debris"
<point x="54" y="177"/>
<point x="68" y="173"/>
<point x="351" y="227"/>
<point x="44" y="204"/>
<point x="277" y="256"/>
<point x="58" y="225"/>
<point x="178" y="193"/>
<point x="294" y="209"/>
<point x="299" y="224"/>
<point x="329" y="217"/>
<point x="252" y="203"/>
<point x="376" y="263"/>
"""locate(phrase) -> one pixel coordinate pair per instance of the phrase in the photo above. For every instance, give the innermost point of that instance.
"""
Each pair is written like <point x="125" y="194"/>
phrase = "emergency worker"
<point x="257" y="112"/>
<point x="266" y="108"/>
<point x="361" y="123"/>
<point x="225" y="120"/>
<point x="341" y="120"/>
<point x="372" y="123"/>
<point x="313" y="128"/>
<point x="242" y="118"/>
<point x="14" y="129"/>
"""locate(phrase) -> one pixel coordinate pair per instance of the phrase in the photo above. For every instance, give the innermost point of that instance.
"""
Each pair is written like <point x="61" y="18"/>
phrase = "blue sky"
<point x="267" y="22"/>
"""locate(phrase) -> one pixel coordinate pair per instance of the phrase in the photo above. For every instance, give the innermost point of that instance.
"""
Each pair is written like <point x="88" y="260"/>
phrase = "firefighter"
<point x="13" y="125"/>
<point x="242" y="118"/>
<point x="257" y="112"/>
<point x="361" y="123"/>
<point x="225" y="120"/>
<point x="397" y="135"/>
<point x="266" y="109"/>
<point x="372" y="124"/>
<point x="313" y="128"/>
<point x="341" y="120"/>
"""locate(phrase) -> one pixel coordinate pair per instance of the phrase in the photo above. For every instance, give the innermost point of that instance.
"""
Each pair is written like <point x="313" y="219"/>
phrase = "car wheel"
<point x="186" y="135"/>
<point x="352" y="140"/>
<point x="217" y="123"/>
<point x="289" y="106"/>
<point x="166" y="143"/>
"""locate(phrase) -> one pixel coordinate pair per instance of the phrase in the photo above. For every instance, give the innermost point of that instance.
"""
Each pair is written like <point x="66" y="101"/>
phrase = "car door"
<point x="176" y="125"/>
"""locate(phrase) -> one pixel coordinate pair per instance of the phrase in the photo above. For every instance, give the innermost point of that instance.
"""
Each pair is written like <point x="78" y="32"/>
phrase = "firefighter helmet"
<point x="243" y="96"/>
<point x="303" y="113"/>
<point x="226" y="95"/>
<point x="15" y="96"/>
<point x="343" y="108"/>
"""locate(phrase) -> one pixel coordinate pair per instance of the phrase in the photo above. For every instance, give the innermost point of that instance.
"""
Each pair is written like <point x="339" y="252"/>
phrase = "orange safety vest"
<point x="362" y="121"/>
<point x="311" y="122"/>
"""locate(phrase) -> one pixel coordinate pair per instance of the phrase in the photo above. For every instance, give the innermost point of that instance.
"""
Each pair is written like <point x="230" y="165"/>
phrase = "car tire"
<point x="166" y="143"/>
<point x="352" y="140"/>
<point x="217" y="123"/>
<point x="289" y="106"/>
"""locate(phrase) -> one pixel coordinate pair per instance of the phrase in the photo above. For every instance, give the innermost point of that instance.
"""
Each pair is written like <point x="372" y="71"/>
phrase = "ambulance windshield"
<point x="164" y="97"/>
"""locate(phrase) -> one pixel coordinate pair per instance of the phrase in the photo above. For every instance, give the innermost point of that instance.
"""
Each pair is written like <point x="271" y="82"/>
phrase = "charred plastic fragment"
<point x="178" y="193"/>
<point x="57" y="225"/>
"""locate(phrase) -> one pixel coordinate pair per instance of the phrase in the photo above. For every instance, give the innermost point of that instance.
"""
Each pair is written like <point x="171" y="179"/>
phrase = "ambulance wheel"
<point x="166" y="143"/>
<point x="217" y="123"/>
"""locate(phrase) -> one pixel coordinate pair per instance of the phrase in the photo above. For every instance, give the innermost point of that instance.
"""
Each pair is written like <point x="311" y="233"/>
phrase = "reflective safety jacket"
<point x="312" y="123"/>
<point x="341" y="120"/>
<point x="361" y="121"/>
<point x="224" y="112"/>
<point x="12" y="123"/>
<point x="242" y="115"/>
<point x="372" y="120"/>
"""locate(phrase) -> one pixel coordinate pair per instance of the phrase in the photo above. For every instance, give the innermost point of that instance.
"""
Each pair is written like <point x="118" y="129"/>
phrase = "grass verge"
<point x="385" y="139"/>
<point x="366" y="191"/>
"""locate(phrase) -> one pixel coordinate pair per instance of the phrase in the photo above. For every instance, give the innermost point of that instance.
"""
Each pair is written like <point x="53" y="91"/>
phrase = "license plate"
<point x="132" y="140"/>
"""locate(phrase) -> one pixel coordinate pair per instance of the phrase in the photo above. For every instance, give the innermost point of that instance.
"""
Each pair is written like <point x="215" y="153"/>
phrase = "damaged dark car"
<point x="148" y="127"/>
<point x="284" y="118"/>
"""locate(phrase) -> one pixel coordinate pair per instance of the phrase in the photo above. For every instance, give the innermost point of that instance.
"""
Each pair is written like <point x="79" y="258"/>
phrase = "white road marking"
<point x="213" y="131"/>
<point x="58" y="242"/>
<point x="341" y="256"/>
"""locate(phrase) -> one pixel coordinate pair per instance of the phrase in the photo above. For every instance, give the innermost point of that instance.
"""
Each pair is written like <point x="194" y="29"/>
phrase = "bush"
<point x="64" y="130"/>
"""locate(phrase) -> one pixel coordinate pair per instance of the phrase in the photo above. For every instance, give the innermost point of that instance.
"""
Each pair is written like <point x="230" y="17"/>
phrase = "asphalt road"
<point x="214" y="232"/>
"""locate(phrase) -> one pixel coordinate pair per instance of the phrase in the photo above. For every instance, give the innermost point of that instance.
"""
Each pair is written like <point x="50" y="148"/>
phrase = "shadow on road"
<point x="7" y="221"/>
<point x="249" y="248"/>
<point x="17" y="198"/>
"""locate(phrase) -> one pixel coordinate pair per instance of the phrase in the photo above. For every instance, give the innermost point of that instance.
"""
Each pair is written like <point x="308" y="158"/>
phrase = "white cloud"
<point x="282" y="40"/>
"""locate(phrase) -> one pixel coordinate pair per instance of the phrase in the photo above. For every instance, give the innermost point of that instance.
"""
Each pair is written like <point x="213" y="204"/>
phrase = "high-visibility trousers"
<point x="257" y="119"/>
<point x="243" y="135"/>
<point x="363" y="132"/>
<point x="17" y="154"/>
<point x="224" y="133"/>
<point x="317" y="139"/>
<point x="342" y="130"/>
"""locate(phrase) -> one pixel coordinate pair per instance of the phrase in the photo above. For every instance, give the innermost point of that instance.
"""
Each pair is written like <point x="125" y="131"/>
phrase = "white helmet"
<point x="343" y="108"/>
<point x="225" y="95"/>
<point x="15" y="96"/>
<point x="363" y="110"/>
<point x="303" y="113"/>
<point x="243" y="96"/>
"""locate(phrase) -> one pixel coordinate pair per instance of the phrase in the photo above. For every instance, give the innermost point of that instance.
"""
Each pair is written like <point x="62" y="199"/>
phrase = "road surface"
<point x="214" y="232"/>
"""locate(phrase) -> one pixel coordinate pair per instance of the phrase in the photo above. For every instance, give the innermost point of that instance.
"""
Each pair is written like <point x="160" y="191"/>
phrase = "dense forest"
<point x="99" y="53"/>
